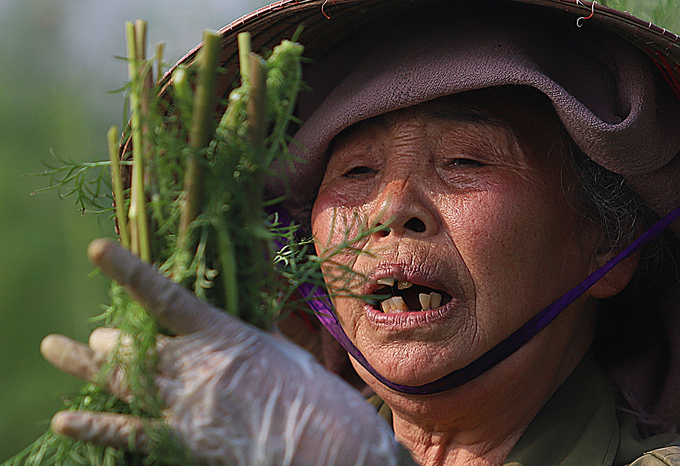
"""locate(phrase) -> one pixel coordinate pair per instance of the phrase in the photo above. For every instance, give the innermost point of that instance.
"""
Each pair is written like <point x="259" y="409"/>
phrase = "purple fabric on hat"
<point x="604" y="91"/>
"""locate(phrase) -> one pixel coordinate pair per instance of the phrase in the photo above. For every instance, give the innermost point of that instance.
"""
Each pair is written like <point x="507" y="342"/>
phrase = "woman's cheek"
<point x="495" y="240"/>
<point x="338" y="220"/>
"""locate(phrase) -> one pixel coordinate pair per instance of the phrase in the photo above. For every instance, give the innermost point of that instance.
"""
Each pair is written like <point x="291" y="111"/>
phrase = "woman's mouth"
<point x="393" y="295"/>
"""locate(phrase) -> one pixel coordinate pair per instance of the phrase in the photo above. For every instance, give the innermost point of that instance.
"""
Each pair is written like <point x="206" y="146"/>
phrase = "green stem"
<point x="228" y="268"/>
<point x="183" y="96"/>
<point x="117" y="181"/>
<point x="261" y="250"/>
<point x="139" y="234"/>
<point x="200" y="133"/>
<point x="244" y="49"/>
<point x="140" y="39"/>
<point x="160" y="50"/>
<point x="257" y="125"/>
<point x="204" y="100"/>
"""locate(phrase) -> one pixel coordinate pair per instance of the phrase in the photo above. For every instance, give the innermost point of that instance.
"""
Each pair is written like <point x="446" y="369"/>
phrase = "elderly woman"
<point x="512" y="149"/>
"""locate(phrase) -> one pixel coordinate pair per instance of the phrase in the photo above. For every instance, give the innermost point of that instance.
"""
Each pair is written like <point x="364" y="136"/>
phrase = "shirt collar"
<point x="577" y="426"/>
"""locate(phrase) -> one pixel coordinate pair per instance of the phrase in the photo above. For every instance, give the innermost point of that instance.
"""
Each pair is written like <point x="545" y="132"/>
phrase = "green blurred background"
<point x="56" y="66"/>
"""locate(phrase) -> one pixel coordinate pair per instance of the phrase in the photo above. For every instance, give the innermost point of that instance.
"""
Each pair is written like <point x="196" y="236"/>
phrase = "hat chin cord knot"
<point x="319" y="302"/>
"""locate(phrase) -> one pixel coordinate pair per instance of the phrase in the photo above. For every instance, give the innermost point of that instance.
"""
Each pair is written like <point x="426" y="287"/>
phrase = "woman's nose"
<point x="405" y="210"/>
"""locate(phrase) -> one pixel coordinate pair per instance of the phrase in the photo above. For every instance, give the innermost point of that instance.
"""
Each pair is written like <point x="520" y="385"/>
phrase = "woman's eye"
<point x="463" y="162"/>
<point x="359" y="171"/>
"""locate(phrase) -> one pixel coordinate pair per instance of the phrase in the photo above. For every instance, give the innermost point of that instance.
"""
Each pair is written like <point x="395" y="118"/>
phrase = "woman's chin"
<point x="402" y="371"/>
<point x="416" y="361"/>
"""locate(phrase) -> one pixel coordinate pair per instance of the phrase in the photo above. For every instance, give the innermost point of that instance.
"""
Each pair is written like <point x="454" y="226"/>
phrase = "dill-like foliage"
<point x="88" y="182"/>
<point x="236" y="252"/>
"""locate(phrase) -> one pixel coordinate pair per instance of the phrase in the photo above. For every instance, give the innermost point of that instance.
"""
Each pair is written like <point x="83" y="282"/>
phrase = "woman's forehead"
<point x="521" y="113"/>
<point x="451" y="109"/>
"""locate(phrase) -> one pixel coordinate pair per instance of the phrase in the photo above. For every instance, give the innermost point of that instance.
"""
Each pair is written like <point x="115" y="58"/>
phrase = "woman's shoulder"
<point x="635" y="450"/>
<point x="667" y="456"/>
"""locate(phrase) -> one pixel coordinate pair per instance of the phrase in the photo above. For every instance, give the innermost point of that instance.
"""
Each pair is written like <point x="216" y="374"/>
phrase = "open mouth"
<point x="401" y="296"/>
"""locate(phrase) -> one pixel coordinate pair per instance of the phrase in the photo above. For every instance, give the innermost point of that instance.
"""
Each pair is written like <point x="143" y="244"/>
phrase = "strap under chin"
<point x="317" y="299"/>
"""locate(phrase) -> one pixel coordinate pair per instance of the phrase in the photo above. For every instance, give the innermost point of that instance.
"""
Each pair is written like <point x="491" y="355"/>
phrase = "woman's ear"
<point x="617" y="278"/>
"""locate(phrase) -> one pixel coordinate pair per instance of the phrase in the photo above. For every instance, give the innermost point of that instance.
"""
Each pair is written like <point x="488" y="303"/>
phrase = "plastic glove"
<point x="235" y="395"/>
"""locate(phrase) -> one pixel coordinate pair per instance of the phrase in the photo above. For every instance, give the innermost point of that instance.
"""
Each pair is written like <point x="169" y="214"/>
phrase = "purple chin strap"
<point x="320" y="303"/>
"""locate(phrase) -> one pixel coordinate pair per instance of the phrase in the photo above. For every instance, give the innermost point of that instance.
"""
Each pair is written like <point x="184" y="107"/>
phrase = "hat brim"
<point x="328" y="22"/>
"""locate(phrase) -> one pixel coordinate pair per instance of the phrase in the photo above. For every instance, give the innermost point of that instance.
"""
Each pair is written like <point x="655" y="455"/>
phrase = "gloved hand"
<point x="235" y="395"/>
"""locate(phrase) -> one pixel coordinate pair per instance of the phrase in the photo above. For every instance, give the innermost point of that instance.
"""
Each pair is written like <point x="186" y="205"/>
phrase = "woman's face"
<point x="481" y="225"/>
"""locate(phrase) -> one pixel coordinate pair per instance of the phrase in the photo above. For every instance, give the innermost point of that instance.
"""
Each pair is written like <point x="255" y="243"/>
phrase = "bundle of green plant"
<point x="194" y="204"/>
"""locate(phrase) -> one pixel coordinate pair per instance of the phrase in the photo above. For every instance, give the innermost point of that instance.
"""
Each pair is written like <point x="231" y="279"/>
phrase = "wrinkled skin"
<point x="481" y="212"/>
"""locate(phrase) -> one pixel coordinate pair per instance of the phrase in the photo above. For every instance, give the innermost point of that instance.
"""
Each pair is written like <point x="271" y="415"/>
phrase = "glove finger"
<point x="105" y="429"/>
<point x="81" y="361"/>
<point x="103" y="340"/>
<point x="70" y="357"/>
<point x="174" y="306"/>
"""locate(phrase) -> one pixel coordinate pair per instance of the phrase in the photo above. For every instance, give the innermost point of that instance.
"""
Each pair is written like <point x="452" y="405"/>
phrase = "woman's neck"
<point x="433" y="447"/>
<point x="478" y="424"/>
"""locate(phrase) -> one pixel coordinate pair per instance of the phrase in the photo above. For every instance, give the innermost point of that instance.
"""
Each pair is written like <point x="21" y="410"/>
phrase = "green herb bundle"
<point x="190" y="198"/>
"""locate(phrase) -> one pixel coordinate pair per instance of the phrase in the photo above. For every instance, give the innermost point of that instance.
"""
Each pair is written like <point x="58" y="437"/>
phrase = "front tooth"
<point x="403" y="284"/>
<point x="399" y="304"/>
<point x="386" y="281"/>
<point x="435" y="300"/>
<point x="424" y="299"/>
<point x="385" y="306"/>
